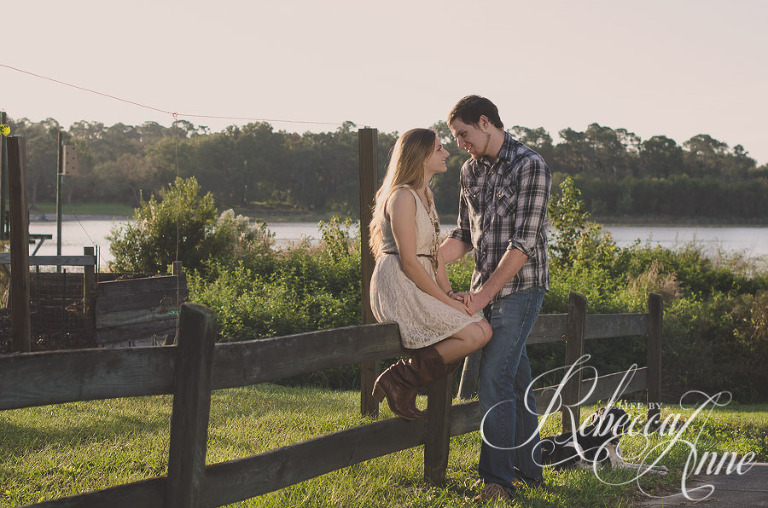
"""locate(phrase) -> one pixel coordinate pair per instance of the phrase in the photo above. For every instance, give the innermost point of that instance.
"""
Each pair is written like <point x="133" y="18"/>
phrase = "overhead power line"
<point x="173" y="114"/>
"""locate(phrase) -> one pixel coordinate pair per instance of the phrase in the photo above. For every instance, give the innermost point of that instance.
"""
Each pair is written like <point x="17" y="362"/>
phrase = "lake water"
<point x="749" y="241"/>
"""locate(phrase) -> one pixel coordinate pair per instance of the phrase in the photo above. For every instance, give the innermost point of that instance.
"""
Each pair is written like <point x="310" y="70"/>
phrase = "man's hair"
<point x="472" y="107"/>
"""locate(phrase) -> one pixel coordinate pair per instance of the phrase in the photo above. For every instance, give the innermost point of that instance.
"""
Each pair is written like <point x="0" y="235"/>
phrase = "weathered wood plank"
<point x="368" y="163"/>
<point x="605" y="386"/>
<point x="146" y="494"/>
<point x="140" y="299"/>
<point x="107" y="336"/>
<point x="141" y="293"/>
<point x="236" y="480"/>
<point x="5" y="259"/>
<point x="117" y="288"/>
<point x="601" y="326"/>
<point x="549" y="328"/>
<point x="136" y="316"/>
<point x="89" y="295"/>
<point x="574" y="349"/>
<point x="191" y="407"/>
<point x="437" y="434"/>
<point x="465" y="418"/>
<point x="18" y="221"/>
<point x="257" y="361"/>
<point x="38" y="379"/>
<point x="655" y="312"/>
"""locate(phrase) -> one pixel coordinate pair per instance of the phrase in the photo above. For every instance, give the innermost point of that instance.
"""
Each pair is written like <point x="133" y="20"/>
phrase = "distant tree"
<point x="42" y="155"/>
<point x="537" y="139"/>
<point x="575" y="154"/>
<point x="704" y="156"/>
<point x="660" y="156"/>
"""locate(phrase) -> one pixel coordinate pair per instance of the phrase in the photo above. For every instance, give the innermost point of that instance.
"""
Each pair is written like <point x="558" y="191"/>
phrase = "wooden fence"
<point x="139" y="312"/>
<point x="117" y="311"/>
<point x="195" y="366"/>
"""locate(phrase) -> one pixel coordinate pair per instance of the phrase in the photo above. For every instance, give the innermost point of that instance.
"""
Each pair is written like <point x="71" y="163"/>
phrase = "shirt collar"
<point x="506" y="153"/>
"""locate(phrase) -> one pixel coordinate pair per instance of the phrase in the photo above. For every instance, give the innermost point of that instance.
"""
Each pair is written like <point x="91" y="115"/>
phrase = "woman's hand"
<point x="461" y="307"/>
<point x="463" y="296"/>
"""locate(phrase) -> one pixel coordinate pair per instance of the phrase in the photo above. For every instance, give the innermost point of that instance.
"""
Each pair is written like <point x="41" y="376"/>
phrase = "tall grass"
<point x="66" y="449"/>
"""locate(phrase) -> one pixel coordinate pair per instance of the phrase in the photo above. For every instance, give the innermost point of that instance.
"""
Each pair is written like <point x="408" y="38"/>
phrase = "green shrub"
<point x="182" y="225"/>
<point x="274" y="293"/>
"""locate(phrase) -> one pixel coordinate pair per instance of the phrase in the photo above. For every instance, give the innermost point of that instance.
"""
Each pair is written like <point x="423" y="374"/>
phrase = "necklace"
<point x="435" y="220"/>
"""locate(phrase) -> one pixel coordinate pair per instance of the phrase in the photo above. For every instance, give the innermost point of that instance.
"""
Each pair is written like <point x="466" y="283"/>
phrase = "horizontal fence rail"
<point x="94" y="374"/>
<point x="5" y="259"/>
<point x="55" y="377"/>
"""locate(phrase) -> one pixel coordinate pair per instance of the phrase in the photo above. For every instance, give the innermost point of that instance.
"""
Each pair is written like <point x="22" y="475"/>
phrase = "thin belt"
<point x="432" y="258"/>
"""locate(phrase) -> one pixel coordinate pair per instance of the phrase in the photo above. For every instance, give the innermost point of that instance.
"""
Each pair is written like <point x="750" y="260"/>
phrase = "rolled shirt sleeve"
<point x="533" y="184"/>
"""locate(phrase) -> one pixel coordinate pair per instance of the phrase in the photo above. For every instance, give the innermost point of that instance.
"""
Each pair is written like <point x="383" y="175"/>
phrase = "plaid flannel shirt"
<point x="503" y="206"/>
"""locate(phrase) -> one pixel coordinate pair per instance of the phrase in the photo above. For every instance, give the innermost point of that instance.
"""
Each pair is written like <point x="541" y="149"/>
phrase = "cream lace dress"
<point x="423" y="319"/>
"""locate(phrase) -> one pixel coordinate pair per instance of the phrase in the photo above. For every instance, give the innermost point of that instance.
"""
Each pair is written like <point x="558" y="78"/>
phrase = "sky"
<point x="676" y="68"/>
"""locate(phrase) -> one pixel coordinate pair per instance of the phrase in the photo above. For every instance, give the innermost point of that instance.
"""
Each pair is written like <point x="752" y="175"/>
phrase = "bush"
<point x="718" y="344"/>
<point x="186" y="226"/>
<point x="714" y="335"/>
<point x="275" y="293"/>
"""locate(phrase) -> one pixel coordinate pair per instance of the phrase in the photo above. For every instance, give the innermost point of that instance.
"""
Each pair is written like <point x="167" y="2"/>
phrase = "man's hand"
<point x="476" y="302"/>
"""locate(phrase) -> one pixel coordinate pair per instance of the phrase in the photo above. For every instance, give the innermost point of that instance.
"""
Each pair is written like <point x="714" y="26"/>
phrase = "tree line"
<point x="253" y="168"/>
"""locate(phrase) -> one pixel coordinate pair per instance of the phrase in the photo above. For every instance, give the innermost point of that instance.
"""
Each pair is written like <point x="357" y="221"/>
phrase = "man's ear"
<point x="483" y="122"/>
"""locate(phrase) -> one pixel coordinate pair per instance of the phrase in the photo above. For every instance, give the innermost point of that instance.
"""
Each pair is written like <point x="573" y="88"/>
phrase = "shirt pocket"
<point x="474" y="194"/>
<point x="506" y="199"/>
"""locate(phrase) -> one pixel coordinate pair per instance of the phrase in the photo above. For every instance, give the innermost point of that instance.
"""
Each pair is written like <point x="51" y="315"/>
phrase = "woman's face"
<point x="435" y="163"/>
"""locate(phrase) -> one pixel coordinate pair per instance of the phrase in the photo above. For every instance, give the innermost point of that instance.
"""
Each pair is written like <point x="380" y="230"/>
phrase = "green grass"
<point x="101" y="209"/>
<point x="62" y="450"/>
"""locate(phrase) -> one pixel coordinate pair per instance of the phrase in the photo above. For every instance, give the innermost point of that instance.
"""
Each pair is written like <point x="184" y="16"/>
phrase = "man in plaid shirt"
<point x="502" y="216"/>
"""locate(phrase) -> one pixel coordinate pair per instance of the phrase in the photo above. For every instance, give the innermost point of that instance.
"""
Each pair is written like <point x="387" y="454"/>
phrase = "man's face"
<point x="473" y="138"/>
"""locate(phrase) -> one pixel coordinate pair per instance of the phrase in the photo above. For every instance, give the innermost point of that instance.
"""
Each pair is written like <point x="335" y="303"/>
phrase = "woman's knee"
<point x="486" y="332"/>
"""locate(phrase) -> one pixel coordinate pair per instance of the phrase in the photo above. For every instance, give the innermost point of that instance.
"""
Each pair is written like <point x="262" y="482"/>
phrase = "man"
<point x="503" y="217"/>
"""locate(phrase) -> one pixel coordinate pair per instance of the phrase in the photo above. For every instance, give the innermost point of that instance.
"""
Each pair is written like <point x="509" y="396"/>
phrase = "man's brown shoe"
<point x="492" y="492"/>
<point x="521" y="483"/>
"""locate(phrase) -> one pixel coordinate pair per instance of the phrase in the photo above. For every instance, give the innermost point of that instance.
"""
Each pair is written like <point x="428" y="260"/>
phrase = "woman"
<point x="409" y="284"/>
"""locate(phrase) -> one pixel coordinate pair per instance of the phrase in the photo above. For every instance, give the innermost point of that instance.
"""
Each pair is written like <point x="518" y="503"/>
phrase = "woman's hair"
<point x="406" y="168"/>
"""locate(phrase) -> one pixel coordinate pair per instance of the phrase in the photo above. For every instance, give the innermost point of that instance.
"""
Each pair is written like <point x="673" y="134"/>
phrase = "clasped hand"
<point x="473" y="302"/>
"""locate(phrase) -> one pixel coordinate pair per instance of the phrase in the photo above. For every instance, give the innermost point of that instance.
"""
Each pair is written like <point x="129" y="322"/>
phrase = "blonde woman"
<point x="409" y="283"/>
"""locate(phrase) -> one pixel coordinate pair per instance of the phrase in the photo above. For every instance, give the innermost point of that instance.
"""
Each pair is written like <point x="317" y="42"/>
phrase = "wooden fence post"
<point x="3" y="182"/>
<point x="191" y="407"/>
<point x="655" y="316"/>
<point x="368" y="150"/>
<point x="19" y="234"/>
<point x="59" y="177"/>
<point x="437" y="432"/>
<point x="469" y="375"/>
<point x="574" y="349"/>
<point x="89" y="294"/>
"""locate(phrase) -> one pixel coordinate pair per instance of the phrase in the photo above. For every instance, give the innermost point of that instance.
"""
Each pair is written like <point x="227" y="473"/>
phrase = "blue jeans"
<point x="505" y="375"/>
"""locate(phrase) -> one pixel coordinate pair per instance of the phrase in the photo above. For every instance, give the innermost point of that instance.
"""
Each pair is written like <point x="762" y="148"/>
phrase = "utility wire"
<point x="174" y="114"/>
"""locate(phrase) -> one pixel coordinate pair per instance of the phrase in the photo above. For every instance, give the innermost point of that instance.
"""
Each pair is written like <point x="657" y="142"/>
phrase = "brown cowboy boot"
<point x="399" y="385"/>
<point x="430" y="365"/>
<point x="401" y="382"/>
